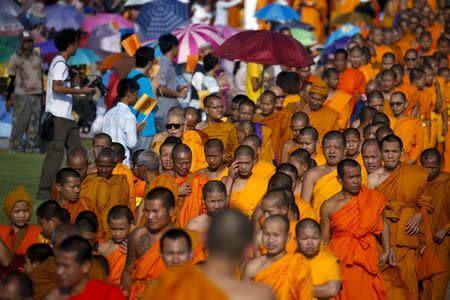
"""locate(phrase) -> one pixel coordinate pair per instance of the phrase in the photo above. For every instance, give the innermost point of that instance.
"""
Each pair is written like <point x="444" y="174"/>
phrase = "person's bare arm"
<point x="125" y="280"/>
<point x="285" y="152"/>
<point x="327" y="290"/>
<point x="325" y="222"/>
<point x="444" y="114"/>
<point x="256" y="83"/>
<point x="439" y="99"/>
<point x="388" y="255"/>
<point x="415" y="113"/>
<point x="308" y="185"/>
<point x="229" y="180"/>
<point x="166" y="92"/>
<point x="58" y="87"/>
<point x="5" y="255"/>
<point x="257" y="241"/>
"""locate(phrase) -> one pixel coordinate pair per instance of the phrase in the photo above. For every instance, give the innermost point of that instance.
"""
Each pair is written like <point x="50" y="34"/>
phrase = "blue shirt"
<point x="145" y="87"/>
<point x="5" y="116"/>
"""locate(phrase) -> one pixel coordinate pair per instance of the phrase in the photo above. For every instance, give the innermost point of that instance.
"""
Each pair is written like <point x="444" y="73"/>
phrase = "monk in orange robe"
<point x="299" y="120"/>
<point x="227" y="247"/>
<point x="308" y="139"/>
<point x="144" y="260"/>
<point x="380" y="48"/>
<point x="288" y="274"/>
<point x="352" y="149"/>
<point x="388" y="79"/>
<point x="350" y="219"/>
<point x="324" y="264"/>
<point x="276" y="121"/>
<point x="338" y="100"/>
<point x="261" y="168"/>
<point x="408" y="129"/>
<point x="311" y="16"/>
<point x="104" y="189"/>
<point x="123" y="169"/>
<point x="214" y="154"/>
<point x="317" y="111"/>
<point x="402" y="185"/>
<point x="19" y="235"/>
<point x="99" y="141"/>
<point x="244" y="189"/>
<point x="321" y="183"/>
<point x="120" y="219"/>
<point x="176" y="119"/>
<point x="412" y="108"/>
<point x="351" y="80"/>
<point x="438" y="188"/>
<point x="213" y="126"/>
<point x="189" y="202"/>
<point x="44" y="276"/>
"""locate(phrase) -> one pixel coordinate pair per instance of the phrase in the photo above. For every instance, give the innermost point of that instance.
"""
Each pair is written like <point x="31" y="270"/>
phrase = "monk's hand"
<point x="125" y="285"/>
<point x="383" y="258"/>
<point x="140" y="126"/>
<point x="439" y="236"/>
<point x="184" y="189"/>
<point x="392" y="257"/>
<point x="123" y="246"/>
<point x="233" y="171"/>
<point x="413" y="224"/>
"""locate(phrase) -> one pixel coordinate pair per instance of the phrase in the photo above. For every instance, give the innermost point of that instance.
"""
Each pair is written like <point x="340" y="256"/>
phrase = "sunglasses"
<point x="173" y="125"/>
<point x="410" y="58"/>
<point x="396" y="104"/>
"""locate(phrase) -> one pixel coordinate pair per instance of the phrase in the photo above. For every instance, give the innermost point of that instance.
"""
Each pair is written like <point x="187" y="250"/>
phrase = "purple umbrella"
<point x="104" y="40"/>
<point x="60" y="16"/>
<point x="89" y="23"/>
<point x="336" y="45"/>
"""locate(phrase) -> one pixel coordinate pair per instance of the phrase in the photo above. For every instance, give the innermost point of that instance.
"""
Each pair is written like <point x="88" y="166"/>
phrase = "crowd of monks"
<point x="330" y="185"/>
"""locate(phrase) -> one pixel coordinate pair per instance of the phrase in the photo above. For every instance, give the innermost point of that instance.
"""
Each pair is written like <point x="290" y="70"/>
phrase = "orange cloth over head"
<point x="320" y="88"/>
<point x="19" y="194"/>
<point x="353" y="228"/>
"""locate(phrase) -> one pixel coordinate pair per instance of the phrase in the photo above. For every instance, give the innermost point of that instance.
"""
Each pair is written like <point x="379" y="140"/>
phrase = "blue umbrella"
<point x="161" y="16"/>
<point x="60" y="16"/>
<point x="343" y="31"/>
<point x="336" y="45"/>
<point x="83" y="56"/>
<point x="277" y="12"/>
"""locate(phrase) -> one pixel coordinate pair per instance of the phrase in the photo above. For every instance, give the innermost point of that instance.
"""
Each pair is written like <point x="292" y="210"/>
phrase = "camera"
<point x="97" y="82"/>
<point x="81" y="79"/>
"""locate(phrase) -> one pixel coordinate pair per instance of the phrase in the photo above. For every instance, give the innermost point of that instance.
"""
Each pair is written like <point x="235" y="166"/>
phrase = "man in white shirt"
<point x="222" y="7"/>
<point x="119" y="122"/>
<point x="59" y="103"/>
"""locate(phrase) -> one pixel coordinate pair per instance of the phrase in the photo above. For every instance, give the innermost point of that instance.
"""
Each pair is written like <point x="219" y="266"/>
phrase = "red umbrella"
<point x="265" y="47"/>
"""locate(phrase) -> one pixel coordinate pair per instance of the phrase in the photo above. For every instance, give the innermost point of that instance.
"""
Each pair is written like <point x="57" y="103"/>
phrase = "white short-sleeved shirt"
<point x="59" y="105"/>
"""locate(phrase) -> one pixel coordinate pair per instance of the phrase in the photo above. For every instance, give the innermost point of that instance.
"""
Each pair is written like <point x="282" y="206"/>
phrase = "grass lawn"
<point x="21" y="168"/>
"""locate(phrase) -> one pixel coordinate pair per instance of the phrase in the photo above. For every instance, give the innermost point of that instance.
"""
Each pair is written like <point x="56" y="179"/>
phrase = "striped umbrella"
<point x="192" y="36"/>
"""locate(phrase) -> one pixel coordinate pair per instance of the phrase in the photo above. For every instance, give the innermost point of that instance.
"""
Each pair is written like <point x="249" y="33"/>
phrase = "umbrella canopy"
<point x="265" y="47"/>
<point x="89" y="23"/>
<point x="142" y="2"/>
<point x="83" y="56"/>
<point x="9" y="7"/>
<point x="343" y="31"/>
<point x="306" y="37"/>
<point x="9" y="25"/>
<point x="226" y="31"/>
<point x="104" y="40"/>
<point x="8" y="44"/>
<point x="161" y="16"/>
<point x="353" y="18"/>
<point x="60" y="16"/>
<point x="336" y="45"/>
<point x="277" y="12"/>
<point x="192" y="36"/>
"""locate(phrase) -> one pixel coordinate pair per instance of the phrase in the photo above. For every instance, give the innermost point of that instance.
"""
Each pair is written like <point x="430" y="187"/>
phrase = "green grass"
<point x="22" y="168"/>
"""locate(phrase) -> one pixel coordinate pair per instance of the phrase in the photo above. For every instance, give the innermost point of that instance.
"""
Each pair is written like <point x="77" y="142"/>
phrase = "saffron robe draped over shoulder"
<point x="249" y="197"/>
<point x="263" y="169"/>
<point x="122" y="169"/>
<point x="343" y="104"/>
<point x="353" y="228"/>
<point x="83" y="203"/>
<point x="324" y="267"/>
<point x="411" y="133"/>
<point x="306" y="210"/>
<point x="352" y="81"/>
<point x="194" y="141"/>
<point x="289" y="277"/>
<point x="221" y="131"/>
<point x="325" y="187"/>
<point x="116" y="260"/>
<point x="403" y="190"/>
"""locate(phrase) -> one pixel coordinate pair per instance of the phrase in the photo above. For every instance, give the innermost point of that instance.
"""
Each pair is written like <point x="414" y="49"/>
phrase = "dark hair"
<point x="163" y="194"/>
<point x="334" y="135"/>
<point x="415" y="74"/>
<point x="125" y="86"/>
<point x="119" y="149"/>
<point x="25" y="285"/>
<point x="244" y="150"/>
<point x="392" y="138"/>
<point x="64" y="174"/>
<point x="214" y="143"/>
<point x="144" y="56"/>
<point x="239" y="97"/>
<point x="214" y="186"/>
<point x="307" y="222"/>
<point x="348" y="162"/>
<point x="65" y="38"/>
<point x="343" y="52"/>
<point x="302" y="156"/>
<point x="91" y="225"/>
<point x="80" y="246"/>
<point x="39" y="252"/>
<point x="429" y="153"/>
<point x="289" y="82"/>
<point x="175" y="234"/>
<point x="279" y="180"/>
<point x="51" y="209"/>
<point x="120" y="212"/>
<point x="281" y="218"/>
<point x="209" y="62"/>
<point x="167" y="42"/>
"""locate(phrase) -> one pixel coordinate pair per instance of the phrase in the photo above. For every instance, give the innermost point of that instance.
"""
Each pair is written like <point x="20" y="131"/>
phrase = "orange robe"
<point x="352" y="81"/>
<point x="139" y="187"/>
<point x="249" y="197"/>
<point x="402" y="190"/>
<point x="122" y="169"/>
<point x="411" y="98"/>
<point x="446" y="151"/>
<point x="18" y="244"/>
<point x="116" y="260"/>
<point x="324" y="267"/>
<point x="221" y="131"/>
<point x="182" y="283"/>
<point x="353" y="228"/>
<point x="411" y="133"/>
<point x="325" y="188"/>
<point x="311" y="16"/>
<point x="294" y="99"/>
<point x="343" y="104"/>
<point x="320" y="159"/>
<point x="193" y="140"/>
<point x="278" y="123"/>
<point x="316" y="120"/>
<point x="151" y="266"/>
<point x="380" y="50"/>
<point x="306" y="210"/>
<point x="263" y="169"/>
<point x="190" y="206"/>
<point x="45" y="278"/>
<point x="289" y="277"/>
<point x="105" y="194"/>
<point x="439" y="190"/>
<point x="96" y="289"/>
<point x="369" y="71"/>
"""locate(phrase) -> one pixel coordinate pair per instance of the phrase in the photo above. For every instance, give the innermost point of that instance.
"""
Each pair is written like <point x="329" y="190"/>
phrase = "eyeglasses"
<point x="396" y="103"/>
<point x="173" y="125"/>
<point x="411" y="58"/>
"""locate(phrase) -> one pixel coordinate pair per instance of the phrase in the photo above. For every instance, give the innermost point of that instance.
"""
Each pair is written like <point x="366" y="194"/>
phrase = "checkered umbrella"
<point x="161" y="16"/>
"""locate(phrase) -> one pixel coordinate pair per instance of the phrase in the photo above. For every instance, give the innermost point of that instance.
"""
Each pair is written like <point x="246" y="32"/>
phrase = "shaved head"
<point x="244" y="150"/>
<point x="280" y="180"/>
<point x="64" y="231"/>
<point x="277" y="197"/>
<point x="77" y="159"/>
<point x="280" y="220"/>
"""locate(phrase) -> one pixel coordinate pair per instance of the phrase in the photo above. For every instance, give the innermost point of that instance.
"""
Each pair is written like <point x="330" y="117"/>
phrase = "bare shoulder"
<point x="248" y="290"/>
<point x="312" y="175"/>
<point x="201" y="125"/>
<point x="253" y="266"/>
<point x="376" y="178"/>
<point x="159" y="137"/>
<point x="198" y="223"/>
